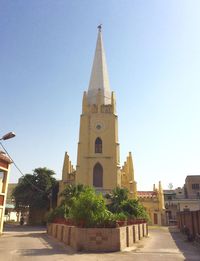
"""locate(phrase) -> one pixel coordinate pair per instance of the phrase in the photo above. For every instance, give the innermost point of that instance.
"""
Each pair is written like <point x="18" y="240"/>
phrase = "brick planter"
<point x="98" y="239"/>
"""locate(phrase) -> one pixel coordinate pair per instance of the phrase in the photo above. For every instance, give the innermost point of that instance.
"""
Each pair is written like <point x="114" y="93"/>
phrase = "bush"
<point x="132" y="208"/>
<point x="59" y="212"/>
<point x="70" y="192"/>
<point x="117" y="196"/>
<point x="83" y="207"/>
<point x="120" y="216"/>
<point x="89" y="209"/>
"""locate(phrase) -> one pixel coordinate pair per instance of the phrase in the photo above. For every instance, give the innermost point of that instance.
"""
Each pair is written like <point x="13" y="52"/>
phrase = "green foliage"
<point x="117" y="196"/>
<point x="89" y="209"/>
<point x="70" y="192"/>
<point x="132" y="208"/>
<point x="142" y="213"/>
<point x="59" y="212"/>
<point x="108" y="220"/>
<point x="120" y="216"/>
<point x="124" y="207"/>
<point x="34" y="191"/>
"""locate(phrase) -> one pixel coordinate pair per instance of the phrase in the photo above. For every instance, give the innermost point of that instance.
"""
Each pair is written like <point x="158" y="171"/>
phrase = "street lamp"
<point x="8" y="135"/>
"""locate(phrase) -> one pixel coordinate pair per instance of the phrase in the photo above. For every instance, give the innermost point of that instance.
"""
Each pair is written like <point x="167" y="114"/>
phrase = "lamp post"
<point x="8" y="136"/>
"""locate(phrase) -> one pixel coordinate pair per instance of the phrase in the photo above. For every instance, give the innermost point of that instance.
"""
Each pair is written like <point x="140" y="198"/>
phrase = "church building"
<point x="98" y="156"/>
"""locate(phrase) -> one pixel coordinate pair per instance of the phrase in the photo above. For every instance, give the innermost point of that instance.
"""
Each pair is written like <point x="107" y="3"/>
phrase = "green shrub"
<point x="132" y="208"/>
<point x="59" y="212"/>
<point x="117" y="196"/>
<point x="89" y="209"/>
<point x="70" y="191"/>
<point x="125" y="207"/>
<point x="120" y="216"/>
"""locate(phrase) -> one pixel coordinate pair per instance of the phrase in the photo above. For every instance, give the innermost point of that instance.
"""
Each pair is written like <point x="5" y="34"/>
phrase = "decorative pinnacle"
<point x="99" y="27"/>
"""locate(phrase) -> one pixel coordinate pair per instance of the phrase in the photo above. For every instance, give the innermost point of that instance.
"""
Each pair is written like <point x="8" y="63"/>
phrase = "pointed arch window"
<point x="98" y="145"/>
<point x="98" y="176"/>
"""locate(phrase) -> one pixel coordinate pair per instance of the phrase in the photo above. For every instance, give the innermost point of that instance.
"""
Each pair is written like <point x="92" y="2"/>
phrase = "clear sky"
<point x="153" y="56"/>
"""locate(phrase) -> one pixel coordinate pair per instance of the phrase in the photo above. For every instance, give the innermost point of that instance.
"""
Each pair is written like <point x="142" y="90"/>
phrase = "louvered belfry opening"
<point x="98" y="145"/>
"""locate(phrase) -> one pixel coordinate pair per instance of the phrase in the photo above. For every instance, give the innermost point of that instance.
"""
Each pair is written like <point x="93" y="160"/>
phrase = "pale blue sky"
<point x="153" y="57"/>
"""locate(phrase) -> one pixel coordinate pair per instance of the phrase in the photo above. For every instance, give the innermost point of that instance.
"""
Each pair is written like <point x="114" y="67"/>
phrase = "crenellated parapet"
<point x="99" y="107"/>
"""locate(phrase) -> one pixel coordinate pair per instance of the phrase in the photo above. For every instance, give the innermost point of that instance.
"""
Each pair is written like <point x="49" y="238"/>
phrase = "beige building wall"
<point x="189" y="205"/>
<point x="192" y="186"/>
<point x="98" y="122"/>
<point x="4" y="174"/>
<point x="153" y="201"/>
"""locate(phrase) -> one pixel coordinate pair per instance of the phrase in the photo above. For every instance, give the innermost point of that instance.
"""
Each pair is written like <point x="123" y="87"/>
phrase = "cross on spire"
<point x="99" y="27"/>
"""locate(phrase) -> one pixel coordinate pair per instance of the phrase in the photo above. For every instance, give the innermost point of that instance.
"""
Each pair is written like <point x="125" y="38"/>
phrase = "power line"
<point x="20" y="170"/>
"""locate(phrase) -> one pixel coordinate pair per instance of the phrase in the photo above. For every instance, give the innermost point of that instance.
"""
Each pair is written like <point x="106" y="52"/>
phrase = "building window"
<point x="98" y="145"/>
<point x="98" y="176"/>
<point x="195" y="186"/>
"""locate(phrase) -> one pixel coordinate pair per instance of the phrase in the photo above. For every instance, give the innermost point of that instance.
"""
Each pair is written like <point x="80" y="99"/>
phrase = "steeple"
<point x="99" y="81"/>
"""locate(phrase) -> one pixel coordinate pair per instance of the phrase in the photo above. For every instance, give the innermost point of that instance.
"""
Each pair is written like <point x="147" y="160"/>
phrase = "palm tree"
<point x="117" y="196"/>
<point x="70" y="192"/>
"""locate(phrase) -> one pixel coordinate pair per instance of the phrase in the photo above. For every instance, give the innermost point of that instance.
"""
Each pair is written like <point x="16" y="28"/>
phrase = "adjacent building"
<point x="4" y="173"/>
<point x="182" y="199"/>
<point x="153" y="201"/>
<point x="192" y="186"/>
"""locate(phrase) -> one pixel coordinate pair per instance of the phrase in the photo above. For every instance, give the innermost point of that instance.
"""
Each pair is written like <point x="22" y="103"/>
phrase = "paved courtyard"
<point x="32" y="243"/>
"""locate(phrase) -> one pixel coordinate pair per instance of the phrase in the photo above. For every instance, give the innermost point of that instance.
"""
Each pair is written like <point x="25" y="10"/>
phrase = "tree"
<point x="121" y="204"/>
<point x="34" y="192"/>
<point x="117" y="196"/>
<point x="71" y="191"/>
<point x="132" y="208"/>
<point x="170" y="186"/>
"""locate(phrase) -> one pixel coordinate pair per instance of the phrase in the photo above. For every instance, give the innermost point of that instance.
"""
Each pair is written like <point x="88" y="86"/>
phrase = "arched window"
<point x="98" y="145"/>
<point x="98" y="176"/>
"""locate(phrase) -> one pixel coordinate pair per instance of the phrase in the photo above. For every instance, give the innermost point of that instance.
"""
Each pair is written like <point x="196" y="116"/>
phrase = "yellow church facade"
<point x="98" y="156"/>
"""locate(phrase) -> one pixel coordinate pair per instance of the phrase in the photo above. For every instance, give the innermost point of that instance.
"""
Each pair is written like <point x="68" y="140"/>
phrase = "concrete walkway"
<point x="30" y="243"/>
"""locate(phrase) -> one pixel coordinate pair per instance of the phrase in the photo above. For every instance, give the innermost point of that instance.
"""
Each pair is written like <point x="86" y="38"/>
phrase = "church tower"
<point x="98" y="162"/>
<point x="98" y="158"/>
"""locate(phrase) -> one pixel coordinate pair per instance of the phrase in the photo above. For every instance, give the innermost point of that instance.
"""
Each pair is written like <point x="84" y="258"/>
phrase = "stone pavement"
<point x="32" y="243"/>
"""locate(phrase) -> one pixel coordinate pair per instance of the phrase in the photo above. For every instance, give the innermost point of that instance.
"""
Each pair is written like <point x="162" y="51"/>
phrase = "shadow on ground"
<point x="50" y="245"/>
<point x="190" y="251"/>
<point x="24" y="228"/>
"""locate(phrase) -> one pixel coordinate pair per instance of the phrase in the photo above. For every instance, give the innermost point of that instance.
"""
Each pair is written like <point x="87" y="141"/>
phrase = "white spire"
<point x="99" y="77"/>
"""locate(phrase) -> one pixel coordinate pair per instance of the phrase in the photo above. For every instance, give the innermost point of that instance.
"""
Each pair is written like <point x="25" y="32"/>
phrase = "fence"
<point x="189" y="222"/>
